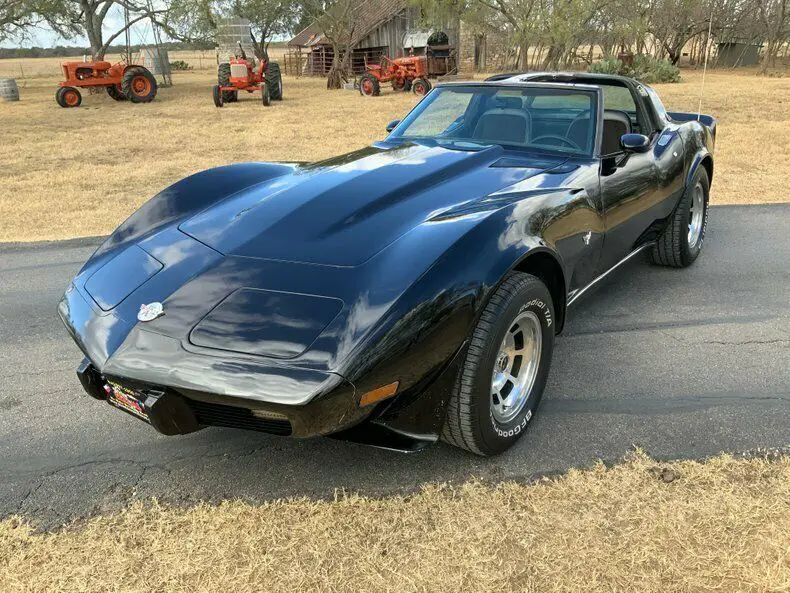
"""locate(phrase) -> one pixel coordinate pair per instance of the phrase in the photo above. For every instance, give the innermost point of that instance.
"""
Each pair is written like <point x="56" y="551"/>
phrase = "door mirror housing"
<point x="392" y="124"/>
<point x="634" y="143"/>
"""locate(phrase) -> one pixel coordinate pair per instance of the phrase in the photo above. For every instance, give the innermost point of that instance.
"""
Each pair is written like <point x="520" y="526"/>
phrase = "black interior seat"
<point x="615" y="124"/>
<point x="508" y="122"/>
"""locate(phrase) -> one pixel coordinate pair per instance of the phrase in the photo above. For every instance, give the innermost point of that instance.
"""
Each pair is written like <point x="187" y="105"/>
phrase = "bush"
<point x="646" y="68"/>
<point x="179" y="65"/>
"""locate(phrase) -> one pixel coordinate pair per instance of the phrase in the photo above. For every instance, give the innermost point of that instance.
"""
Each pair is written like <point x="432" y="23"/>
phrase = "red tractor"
<point x="123" y="82"/>
<point x="406" y="73"/>
<point x="240" y="74"/>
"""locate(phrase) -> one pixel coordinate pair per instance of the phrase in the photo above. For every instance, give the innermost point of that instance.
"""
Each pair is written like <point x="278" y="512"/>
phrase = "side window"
<point x="619" y="98"/>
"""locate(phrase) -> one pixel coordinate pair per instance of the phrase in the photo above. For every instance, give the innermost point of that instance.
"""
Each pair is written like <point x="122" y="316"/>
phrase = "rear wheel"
<point x="499" y="387"/>
<point x="116" y="93"/>
<point x="369" y="86"/>
<point x="217" y="95"/>
<point x="420" y="86"/>
<point x="67" y="96"/>
<point x="223" y="78"/>
<point x="681" y="242"/>
<point x="139" y="85"/>
<point x="274" y="80"/>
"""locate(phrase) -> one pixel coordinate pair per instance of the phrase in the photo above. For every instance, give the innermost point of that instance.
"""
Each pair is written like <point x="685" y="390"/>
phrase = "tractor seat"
<point x="508" y="125"/>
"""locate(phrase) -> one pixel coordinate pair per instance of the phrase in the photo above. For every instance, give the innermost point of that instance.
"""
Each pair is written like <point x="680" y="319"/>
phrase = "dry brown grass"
<point x="722" y="526"/>
<point x="79" y="172"/>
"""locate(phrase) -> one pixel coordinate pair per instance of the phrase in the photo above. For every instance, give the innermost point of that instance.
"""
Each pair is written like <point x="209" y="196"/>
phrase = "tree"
<point x="267" y="17"/>
<point x="336" y="19"/>
<point x="775" y="18"/>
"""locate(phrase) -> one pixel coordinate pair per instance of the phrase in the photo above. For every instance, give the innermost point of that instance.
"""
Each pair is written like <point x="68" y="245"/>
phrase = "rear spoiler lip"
<point x="707" y="120"/>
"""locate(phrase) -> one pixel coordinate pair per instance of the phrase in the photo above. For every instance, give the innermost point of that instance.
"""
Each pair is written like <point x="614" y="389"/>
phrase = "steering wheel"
<point x="562" y="139"/>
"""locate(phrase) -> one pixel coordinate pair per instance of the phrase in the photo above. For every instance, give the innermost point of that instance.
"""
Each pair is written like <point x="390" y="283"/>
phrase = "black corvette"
<point x="402" y="293"/>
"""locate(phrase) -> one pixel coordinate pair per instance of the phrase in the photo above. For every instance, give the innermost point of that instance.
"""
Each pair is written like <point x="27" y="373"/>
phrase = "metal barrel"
<point x="9" y="91"/>
<point x="156" y="60"/>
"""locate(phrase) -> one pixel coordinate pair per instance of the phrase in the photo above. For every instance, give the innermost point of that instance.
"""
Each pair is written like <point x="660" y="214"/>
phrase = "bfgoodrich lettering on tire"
<point x="503" y="376"/>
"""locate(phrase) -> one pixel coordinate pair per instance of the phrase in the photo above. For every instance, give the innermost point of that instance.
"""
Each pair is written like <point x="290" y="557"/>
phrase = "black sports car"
<point x="402" y="293"/>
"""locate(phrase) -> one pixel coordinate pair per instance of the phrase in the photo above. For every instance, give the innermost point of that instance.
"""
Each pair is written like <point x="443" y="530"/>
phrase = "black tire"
<point x="129" y="85"/>
<point x="470" y="422"/>
<point x="116" y="93"/>
<point x="217" y="96"/>
<point x="266" y="96"/>
<point x="676" y="247"/>
<point x="223" y="79"/>
<point x="274" y="80"/>
<point x="67" y="96"/>
<point x="369" y="85"/>
<point x="421" y="86"/>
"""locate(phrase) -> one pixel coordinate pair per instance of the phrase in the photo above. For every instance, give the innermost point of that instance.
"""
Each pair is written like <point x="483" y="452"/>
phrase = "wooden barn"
<point x="384" y="28"/>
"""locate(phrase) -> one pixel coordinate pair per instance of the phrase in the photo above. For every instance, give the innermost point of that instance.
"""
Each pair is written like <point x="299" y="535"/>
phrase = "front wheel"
<point x="266" y="96"/>
<point x="420" y="87"/>
<point x="67" y="96"/>
<point x="500" y="384"/>
<point x="681" y="242"/>
<point x="216" y="94"/>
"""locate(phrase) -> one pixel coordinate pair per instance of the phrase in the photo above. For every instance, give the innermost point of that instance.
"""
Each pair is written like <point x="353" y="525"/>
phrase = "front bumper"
<point x="174" y="411"/>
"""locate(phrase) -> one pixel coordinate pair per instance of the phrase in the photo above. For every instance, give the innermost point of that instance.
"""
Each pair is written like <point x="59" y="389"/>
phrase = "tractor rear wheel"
<point x="139" y="85"/>
<point x="420" y="86"/>
<point x="274" y="80"/>
<point x="266" y="95"/>
<point x="67" y="96"/>
<point x="116" y="93"/>
<point x="369" y="85"/>
<point x="223" y="78"/>
<point x="217" y="94"/>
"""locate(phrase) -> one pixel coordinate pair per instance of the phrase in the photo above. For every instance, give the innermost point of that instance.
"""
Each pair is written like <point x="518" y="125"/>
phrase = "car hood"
<point x="343" y="211"/>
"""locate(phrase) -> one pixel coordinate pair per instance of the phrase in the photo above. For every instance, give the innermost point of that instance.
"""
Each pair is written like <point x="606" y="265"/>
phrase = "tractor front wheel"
<point x="369" y="86"/>
<point x="68" y="97"/>
<point x="266" y="95"/>
<point x="116" y="93"/>
<point x="139" y="85"/>
<point x="420" y="86"/>
<point x="223" y="78"/>
<point x="218" y="96"/>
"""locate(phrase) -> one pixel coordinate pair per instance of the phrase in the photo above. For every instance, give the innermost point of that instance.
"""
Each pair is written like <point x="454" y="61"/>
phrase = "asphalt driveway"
<point x="684" y="363"/>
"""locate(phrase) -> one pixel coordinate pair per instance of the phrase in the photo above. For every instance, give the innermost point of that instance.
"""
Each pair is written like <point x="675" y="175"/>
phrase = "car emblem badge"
<point x="586" y="237"/>
<point x="150" y="311"/>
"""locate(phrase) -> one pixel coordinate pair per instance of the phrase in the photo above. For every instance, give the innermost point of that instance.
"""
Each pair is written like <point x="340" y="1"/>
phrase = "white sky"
<point x="45" y="37"/>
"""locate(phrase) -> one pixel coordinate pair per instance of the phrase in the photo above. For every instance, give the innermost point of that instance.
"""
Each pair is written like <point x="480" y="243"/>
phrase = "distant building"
<point x="384" y="28"/>
<point x="738" y="53"/>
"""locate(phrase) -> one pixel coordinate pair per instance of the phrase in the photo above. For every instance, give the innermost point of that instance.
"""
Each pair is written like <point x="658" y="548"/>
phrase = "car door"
<point x="630" y="188"/>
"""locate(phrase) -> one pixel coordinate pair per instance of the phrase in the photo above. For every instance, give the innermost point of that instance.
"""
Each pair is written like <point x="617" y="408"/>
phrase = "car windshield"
<point x="538" y="118"/>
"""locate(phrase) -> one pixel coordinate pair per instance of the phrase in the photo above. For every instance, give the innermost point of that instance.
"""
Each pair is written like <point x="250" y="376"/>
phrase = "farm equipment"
<point x="241" y="74"/>
<point x="122" y="81"/>
<point x="406" y="73"/>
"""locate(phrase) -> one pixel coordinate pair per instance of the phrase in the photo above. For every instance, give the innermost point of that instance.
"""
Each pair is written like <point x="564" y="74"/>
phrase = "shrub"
<point x="179" y="65"/>
<point x="646" y="68"/>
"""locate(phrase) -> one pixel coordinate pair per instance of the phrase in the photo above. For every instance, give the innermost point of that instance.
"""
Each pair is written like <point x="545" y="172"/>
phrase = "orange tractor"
<point x="123" y="82"/>
<point x="406" y="73"/>
<point x="240" y="74"/>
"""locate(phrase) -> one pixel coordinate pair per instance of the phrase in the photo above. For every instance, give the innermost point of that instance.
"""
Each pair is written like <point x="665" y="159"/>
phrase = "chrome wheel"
<point x="515" y="367"/>
<point x="696" y="215"/>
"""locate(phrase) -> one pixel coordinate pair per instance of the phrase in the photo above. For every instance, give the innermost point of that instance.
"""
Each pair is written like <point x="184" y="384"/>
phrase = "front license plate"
<point x="127" y="400"/>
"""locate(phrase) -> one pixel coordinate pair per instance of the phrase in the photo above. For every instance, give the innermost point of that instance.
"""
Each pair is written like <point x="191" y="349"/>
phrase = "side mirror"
<point x="392" y="124"/>
<point x="634" y="143"/>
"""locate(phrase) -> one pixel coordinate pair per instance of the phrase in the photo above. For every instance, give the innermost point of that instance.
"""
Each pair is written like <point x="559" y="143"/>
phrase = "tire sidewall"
<point x="690" y="253"/>
<point x="495" y="435"/>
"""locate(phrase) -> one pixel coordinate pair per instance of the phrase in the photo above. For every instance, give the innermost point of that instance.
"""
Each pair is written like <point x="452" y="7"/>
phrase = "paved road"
<point x="685" y="363"/>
